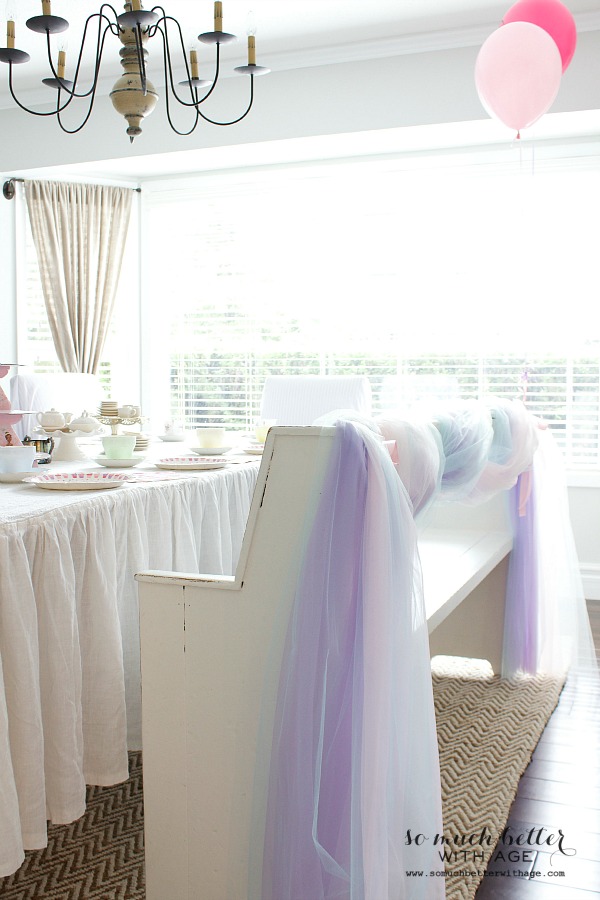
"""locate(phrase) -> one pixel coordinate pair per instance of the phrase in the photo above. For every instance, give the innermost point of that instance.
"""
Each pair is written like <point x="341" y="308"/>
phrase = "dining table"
<point x="70" y="688"/>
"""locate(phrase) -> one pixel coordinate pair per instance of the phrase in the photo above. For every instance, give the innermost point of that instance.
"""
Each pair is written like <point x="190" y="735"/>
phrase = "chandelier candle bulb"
<point x="62" y="61"/>
<point x="46" y="8"/>
<point x="194" y="63"/>
<point x="251" y="50"/>
<point x="218" y="16"/>
<point x="10" y="34"/>
<point x="137" y="4"/>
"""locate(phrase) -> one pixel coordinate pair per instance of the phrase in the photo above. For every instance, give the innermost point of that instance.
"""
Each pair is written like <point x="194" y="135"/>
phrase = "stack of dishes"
<point x="142" y="442"/>
<point x="109" y="408"/>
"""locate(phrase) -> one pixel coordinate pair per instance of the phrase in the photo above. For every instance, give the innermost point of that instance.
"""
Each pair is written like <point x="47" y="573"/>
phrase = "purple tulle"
<point x="522" y="595"/>
<point x="354" y="754"/>
<point x="320" y="704"/>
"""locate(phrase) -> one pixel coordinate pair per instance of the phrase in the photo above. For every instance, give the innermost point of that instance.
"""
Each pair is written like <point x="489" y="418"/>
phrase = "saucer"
<point x="210" y="451"/>
<point x="172" y="437"/>
<point x="14" y="477"/>
<point x="128" y="463"/>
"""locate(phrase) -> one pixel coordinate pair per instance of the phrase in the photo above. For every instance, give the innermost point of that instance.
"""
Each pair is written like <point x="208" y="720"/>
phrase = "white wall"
<point x="584" y="505"/>
<point x="8" y="306"/>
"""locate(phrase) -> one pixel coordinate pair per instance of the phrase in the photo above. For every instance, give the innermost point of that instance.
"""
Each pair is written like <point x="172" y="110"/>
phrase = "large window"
<point x="435" y="277"/>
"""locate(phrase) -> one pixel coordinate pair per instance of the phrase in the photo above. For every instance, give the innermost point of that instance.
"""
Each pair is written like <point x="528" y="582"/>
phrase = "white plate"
<point x="172" y="437"/>
<point x="210" y="451"/>
<point x="134" y="460"/>
<point x="78" y="481"/>
<point x="255" y="448"/>
<point x="187" y="463"/>
<point x="14" y="477"/>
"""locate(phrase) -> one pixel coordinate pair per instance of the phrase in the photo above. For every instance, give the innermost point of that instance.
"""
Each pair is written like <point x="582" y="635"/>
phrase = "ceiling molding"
<point x="336" y="54"/>
<point x="402" y="45"/>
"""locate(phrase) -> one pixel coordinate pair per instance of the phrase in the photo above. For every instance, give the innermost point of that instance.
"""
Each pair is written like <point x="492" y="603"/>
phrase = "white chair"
<point x="65" y="391"/>
<point x="300" y="399"/>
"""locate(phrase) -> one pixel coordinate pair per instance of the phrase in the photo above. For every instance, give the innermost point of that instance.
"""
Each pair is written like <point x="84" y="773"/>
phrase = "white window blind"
<point x="435" y="279"/>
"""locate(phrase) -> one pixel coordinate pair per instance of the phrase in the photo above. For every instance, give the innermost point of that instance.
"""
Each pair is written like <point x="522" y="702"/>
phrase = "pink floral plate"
<point x="78" y="481"/>
<point x="190" y="463"/>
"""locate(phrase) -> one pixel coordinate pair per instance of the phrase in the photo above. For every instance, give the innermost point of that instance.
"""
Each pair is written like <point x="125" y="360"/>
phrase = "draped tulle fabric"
<point x="520" y="645"/>
<point x="466" y="434"/>
<point x="484" y="448"/>
<point x="419" y="457"/>
<point x="546" y="622"/>
<point x="514" y="442"/>
<point x="354" y="760"/>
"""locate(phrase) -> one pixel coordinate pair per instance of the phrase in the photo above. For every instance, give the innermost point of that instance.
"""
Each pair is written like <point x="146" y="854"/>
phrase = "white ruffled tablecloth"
<point x="69" y="632"/>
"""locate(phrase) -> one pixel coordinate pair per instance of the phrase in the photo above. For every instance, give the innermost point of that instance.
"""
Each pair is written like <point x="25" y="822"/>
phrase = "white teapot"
<point x="51" y="419"/>
<point x="84" y="422"/>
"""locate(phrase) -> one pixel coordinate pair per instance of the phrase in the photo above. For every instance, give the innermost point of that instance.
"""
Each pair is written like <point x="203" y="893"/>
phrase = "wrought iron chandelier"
<point x="133" y="94"/>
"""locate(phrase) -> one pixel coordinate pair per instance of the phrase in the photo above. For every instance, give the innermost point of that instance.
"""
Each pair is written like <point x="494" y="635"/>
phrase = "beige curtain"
<point x="79" y="232"/>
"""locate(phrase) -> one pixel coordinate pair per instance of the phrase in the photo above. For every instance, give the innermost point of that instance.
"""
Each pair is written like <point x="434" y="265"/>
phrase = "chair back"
<point x="301" y="399"/>
<point x="65" y="391"/>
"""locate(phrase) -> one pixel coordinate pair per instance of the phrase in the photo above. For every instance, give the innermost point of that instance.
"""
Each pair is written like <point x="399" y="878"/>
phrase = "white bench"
<point x="211" y="651"/>
<point x="464" y="554"/>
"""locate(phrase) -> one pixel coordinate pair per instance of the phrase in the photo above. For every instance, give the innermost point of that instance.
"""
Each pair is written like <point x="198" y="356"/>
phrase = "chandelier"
<point x="133" y="94"/>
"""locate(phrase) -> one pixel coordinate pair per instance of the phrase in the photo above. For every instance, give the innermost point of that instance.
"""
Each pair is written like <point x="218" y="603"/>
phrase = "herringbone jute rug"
<point x="98" y="857"/>
<point x="487" y="730"/>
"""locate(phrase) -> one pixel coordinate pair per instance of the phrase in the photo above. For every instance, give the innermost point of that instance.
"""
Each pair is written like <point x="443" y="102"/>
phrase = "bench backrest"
<point x="211" y="654"/>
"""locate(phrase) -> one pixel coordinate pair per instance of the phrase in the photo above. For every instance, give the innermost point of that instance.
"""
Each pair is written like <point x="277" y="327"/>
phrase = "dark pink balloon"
<point x="554" y="17"/>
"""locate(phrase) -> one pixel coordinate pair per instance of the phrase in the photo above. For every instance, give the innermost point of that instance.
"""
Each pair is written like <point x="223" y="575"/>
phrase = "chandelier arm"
<point x="152" y="29"/>
<point x="140" y="55"/>
<point x="33" y="112"/>
<point x="216" y="78"/>
<point x="169" y="68"/>
<point x="84" y="122"/>
<point x="92" y="91"/>
<point x="99" y="50"/>
<point x="112" y="25"/>
<point x="171" y="123"/>
<point x="239" y="118"/>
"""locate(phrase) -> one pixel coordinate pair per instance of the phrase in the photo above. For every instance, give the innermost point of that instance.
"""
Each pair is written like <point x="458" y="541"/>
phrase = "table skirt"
<point x="70" y="702"/>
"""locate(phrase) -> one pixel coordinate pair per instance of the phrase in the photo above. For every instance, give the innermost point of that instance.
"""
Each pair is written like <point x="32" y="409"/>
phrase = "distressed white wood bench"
<point x="464" y="554"/>
<point x="211" y="651"/>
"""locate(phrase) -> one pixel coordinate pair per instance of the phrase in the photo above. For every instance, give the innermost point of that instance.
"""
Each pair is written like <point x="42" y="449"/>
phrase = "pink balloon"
<point x="517" y="74"/>
<point x="554" y="17"/>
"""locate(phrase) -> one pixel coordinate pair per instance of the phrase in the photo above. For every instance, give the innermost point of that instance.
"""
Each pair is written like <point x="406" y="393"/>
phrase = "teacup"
<point x="261" y="429"/>
<point x="118" y="446"/>
<point x="127" y="412"/>
<point x="16" y="459"/>
<point x="210" y="436"/>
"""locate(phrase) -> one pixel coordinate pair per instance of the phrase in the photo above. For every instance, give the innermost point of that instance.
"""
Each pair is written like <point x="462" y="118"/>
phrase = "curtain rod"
<point x="8" y="188"/>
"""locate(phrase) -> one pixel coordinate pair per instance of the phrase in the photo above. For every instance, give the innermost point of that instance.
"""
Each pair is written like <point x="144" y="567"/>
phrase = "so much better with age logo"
<point x="469" y="855"/>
